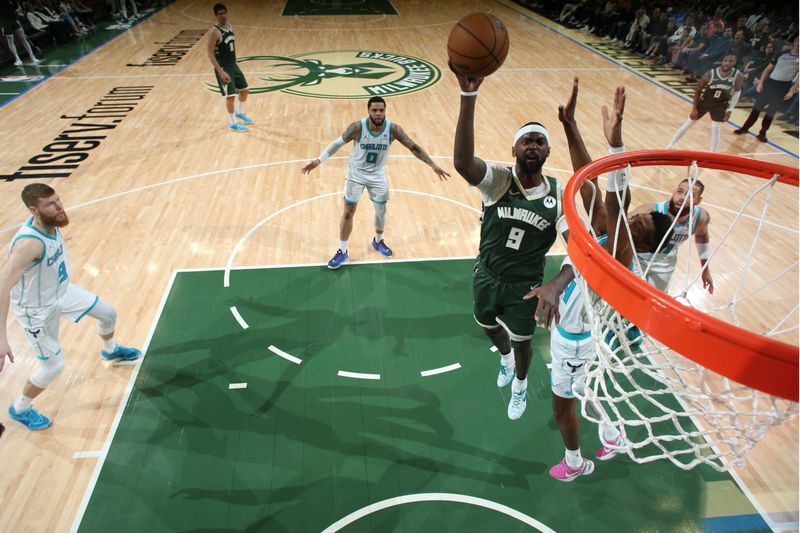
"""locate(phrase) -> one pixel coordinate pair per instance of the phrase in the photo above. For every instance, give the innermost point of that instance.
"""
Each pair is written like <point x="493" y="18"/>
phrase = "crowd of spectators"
<point x="38" y="24"/>
<point x="692" y="36"/>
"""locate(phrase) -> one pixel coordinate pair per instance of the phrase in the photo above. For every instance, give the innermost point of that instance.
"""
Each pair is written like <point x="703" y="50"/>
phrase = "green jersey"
<point x="225" y="52"/>
<point x="519" y="225"/>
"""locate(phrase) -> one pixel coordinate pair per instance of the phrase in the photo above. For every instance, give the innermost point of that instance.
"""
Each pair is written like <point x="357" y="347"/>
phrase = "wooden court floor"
<point x="168" y="187"/>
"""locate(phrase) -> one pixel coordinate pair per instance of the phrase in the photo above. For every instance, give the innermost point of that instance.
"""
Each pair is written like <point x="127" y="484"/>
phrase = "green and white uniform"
<point x="518" y="229"/>
<point x="44" y="294"/>
<point x="225" y="53"/>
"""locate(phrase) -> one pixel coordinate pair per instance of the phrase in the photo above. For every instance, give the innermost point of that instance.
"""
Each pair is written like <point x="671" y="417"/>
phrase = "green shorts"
<point x="497" y="302"/>
<point x="238" y="81"/>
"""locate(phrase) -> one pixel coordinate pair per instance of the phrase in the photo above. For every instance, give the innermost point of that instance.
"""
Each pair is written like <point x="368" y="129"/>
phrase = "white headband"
<point x="532" y="128"/>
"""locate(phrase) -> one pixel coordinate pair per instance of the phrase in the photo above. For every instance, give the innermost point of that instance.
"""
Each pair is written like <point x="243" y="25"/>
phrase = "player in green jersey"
<point x="521" y="208"/>
<point x="222" y="53"/>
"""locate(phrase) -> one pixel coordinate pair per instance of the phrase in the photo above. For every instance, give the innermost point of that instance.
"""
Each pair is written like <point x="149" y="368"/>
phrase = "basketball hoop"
<point x="713" y="369"/>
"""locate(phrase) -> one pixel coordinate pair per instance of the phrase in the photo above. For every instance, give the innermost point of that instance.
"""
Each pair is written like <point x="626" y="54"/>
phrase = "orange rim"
<point x="743" y="356"/>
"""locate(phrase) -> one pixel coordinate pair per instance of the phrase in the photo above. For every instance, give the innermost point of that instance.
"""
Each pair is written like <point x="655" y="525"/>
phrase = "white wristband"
<point x="617" y="179"/>
<point x="464" y="93"/>
<point x="330" y="149"/>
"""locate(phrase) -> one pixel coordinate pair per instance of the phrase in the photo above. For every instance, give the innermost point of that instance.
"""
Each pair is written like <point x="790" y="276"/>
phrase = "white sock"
<point x="507" y="360"/>
<point x="240" y="107"/>
<point x="109" y="345"/>
<point x="610" y="433"/>
<point x="519" y="386"/>
<point x="573" y="458"/>
<point x="22" y="403"/>
<point x="679" y="133"/>
<point x="343" y="246"/>
<point x="715" y="129"/>
<point x="231" y="118"/>
<point x="378" y="237"/>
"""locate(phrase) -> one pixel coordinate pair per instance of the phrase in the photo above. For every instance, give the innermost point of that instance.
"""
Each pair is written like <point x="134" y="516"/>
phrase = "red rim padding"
<point x="742" y="356"/>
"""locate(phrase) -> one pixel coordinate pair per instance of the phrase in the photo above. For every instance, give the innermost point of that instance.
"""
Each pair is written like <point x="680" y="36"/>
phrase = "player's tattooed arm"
<point x="398" y="134"/>
<point x="350" y="133"/>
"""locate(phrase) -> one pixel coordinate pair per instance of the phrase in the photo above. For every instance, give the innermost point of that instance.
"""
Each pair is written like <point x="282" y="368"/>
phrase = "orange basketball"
<point x="478" y="44"/>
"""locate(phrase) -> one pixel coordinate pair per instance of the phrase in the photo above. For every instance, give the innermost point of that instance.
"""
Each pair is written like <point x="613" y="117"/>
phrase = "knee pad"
<point x="106" y="317"/>
<point x="48" y="371"/>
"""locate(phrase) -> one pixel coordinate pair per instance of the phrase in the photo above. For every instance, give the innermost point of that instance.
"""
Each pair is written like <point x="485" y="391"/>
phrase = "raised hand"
<point x="467" y="84"/>
<point x="612" y="122"/>
<point x="566" y="113"/>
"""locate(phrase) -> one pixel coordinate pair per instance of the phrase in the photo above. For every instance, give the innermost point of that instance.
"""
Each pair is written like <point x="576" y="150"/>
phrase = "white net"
<point x="665" y="405"/>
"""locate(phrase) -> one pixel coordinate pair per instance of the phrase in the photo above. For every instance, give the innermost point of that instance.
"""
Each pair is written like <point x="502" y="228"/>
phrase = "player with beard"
<point x="35" y="283"/>
<point x="521" y="207"/>
<point x="689" y="216"/>
<point x="717" y="93"/>
<point x="372" y="137"/>
<point x="221" y="51"/>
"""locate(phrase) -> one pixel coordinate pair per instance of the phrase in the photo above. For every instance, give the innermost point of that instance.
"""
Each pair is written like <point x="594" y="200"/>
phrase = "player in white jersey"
<point x="571" y="344"/>
<point x="35" y="283"/>
<point x="372" y="138"/>
<point x="690" y="217"/>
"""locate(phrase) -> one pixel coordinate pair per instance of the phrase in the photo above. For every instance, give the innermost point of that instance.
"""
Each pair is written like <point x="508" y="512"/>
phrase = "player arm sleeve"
<point x="331" y="149"/>
<point x="734" y="100"/>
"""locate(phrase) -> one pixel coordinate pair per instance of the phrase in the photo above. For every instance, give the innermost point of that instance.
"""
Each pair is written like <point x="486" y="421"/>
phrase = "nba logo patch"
<point x="549" y="202"/>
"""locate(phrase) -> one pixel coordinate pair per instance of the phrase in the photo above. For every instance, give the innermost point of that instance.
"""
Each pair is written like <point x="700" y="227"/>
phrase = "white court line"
<point x="239" y="318"/>
<point x="436" y="497"/>
<point x="764" y="153"/>
<point x="234" y="386"/>
<point x="87" y="454"/>
<point x="357" y="375"/>
<point x="440" y="370"/>
<point x="115" y="424"/>
<point x="226" y="279"/>
<point x="493" y="349"/>
<point x="289" y="357"/>
<point x="363" y="262"/>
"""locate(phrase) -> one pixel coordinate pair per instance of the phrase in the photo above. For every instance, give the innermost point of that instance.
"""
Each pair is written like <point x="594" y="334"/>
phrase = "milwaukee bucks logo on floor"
<point x="338" y="74"/>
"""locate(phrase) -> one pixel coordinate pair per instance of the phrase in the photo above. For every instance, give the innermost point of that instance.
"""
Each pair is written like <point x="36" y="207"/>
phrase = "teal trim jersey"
<point x="48" y="278"/>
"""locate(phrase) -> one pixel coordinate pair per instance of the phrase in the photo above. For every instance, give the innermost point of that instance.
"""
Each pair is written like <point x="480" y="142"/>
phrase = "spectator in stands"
<point x="640" y="23"/>
<point x="740" y="48"/>
<point x="10" y="27"/>
<point x="699" y="63"/>
<point x="676" y="49"/>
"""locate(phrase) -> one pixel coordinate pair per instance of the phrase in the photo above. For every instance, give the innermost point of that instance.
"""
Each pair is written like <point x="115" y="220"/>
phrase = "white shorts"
<point x="41" y="323"/>
<point x="570" y="355"/>
<point x="376" y="184"/>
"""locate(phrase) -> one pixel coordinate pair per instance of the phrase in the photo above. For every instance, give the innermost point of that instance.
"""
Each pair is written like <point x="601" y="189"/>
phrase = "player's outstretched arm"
<point x="590" y="193"/>
<point x="24" y="254"/>
<point x="214" y="36"/>
<point x="548" y="295"/>
<point x="352" y="131"/>
<point x="402" y="137"/>
<point x="702" y="242"/>
<point x="617" y="198"/>
<point x="471" y="168"/>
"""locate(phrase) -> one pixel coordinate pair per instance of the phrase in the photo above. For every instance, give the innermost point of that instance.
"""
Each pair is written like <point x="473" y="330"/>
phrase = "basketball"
<point x="478" y="44"/>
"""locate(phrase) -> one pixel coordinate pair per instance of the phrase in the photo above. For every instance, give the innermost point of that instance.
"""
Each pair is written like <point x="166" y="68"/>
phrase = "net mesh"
<point x="665" y="405"/>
